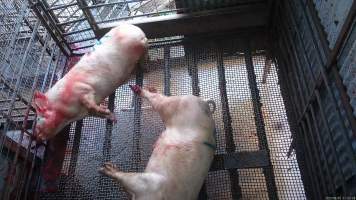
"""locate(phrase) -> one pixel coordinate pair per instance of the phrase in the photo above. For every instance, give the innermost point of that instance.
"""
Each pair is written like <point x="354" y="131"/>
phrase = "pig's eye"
<point x="39" y="119"/>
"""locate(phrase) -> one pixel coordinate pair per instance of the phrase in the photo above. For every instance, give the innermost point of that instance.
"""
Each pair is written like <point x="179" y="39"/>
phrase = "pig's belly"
<point x="184" y="167"/>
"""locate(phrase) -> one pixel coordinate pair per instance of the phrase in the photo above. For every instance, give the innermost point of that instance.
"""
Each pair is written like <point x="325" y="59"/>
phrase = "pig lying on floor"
<point x="182" y="155"/>
<point x="90" y="81"/>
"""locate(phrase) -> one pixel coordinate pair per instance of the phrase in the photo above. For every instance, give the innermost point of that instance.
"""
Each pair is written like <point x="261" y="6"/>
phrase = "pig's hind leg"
<point x="135" y="183"/>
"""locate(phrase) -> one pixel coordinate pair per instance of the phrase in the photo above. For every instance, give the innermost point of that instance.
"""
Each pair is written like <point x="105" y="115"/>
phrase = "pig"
<point x="182" y="155"/>
<point x="96" y="76"/>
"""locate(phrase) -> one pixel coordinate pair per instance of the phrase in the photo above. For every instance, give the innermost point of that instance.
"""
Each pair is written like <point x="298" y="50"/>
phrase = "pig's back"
<point x="184" y="164"/>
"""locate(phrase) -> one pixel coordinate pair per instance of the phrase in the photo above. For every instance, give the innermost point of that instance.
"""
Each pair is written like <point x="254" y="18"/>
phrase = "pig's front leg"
<point x="88" y="100"/>
<point x="149" y="93"/>
<point x="135" y="183"/>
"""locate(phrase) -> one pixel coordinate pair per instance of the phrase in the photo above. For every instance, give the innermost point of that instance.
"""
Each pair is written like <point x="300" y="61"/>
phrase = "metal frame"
<point x="75" y="24"/>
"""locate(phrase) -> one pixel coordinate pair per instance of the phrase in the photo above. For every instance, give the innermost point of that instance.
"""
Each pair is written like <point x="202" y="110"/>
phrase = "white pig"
<point x="90" y="81"/>
<point x="182" y="155"/>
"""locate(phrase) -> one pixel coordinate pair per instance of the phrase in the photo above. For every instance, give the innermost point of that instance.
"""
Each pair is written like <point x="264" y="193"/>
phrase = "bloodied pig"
<point x="90" y="81"/>
<point x="182" y="155"/>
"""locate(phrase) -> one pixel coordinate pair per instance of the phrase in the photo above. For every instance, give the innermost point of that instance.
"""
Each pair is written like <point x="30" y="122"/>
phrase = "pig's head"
<point x="132" y="40"/>
<point x="49" y="120"/>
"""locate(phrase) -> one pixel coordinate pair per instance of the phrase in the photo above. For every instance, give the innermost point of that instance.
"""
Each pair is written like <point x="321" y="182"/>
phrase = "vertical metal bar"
<point x="309" y="163"/>
<point x="261" y="133"/>
<point x="289" y="68"/>
<point x="330" y="137"/>
<point x="293" y="73"/>
<point x="318" y="133"/>
<point x="47" y="71"/>
<point x="87" y="13"/>
<point x="315" y="156"/>
<point x="193" y="72"/>
<point x="29" y="178"/>
<point x="102" y="189"/>
<point x="137" y="123"/>
<point x="193" y="69"/>
<point x="74" y="157"/>
<point x="167" y="71"/>
<point x="55" y="68"/>
<point x="229" y="138"/>
<point x="298" y="71"/>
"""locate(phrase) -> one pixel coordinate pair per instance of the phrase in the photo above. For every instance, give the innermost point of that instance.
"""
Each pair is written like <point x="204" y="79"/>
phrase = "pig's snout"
<point x="212" y="108"/>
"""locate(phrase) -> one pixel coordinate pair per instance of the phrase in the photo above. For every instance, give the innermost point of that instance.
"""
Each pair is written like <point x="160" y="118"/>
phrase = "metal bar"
<point x="137" y="122"/>
<point x="240" y="160"/>
<point x="289" y="73"/>
<point x="109" y="127"/>
<point x="292" y="72"/>
<point x="315" y="20"/>
<point x="87" y="13"/>
<point x="208" y="22"/>
<point x="329" y="136"/>
<point x="110" y="4"/>
<point x="77" y="31"/>
<point x="229" y="138"/>
<point x="260" y="126"/>
<point x="83" y="40"/>
<point x="75" y="148"/>
<point x="62" y="6"/>
<point x="193" y="69"/>
<point x="299" y="71"/>
<point x="309" y="163"/>
<point x="315" y="156"/>
<point x="74" y="157"/>
<point x="47" y="71"/>
<point x="167" y="72"/>
<point x="193" y="72"/>
<point x="55" y="68"/>
<point x="323" y="153"/>
<point x="102" y="189"/>
<point x="72" y="21"/>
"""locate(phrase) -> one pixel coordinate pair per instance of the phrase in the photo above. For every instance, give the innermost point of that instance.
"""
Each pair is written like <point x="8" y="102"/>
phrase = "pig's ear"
<point x="40" y="101"/>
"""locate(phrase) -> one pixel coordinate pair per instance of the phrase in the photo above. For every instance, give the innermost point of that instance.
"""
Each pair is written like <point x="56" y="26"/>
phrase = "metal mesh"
<point x="178" y="69"/>
<point x="278" y="131"/>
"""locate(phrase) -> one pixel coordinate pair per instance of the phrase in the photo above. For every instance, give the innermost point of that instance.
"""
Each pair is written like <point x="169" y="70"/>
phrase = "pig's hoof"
<point x="135" y="88"/>
<point x="109" y="169"/>
<point x="112" y="118"/>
